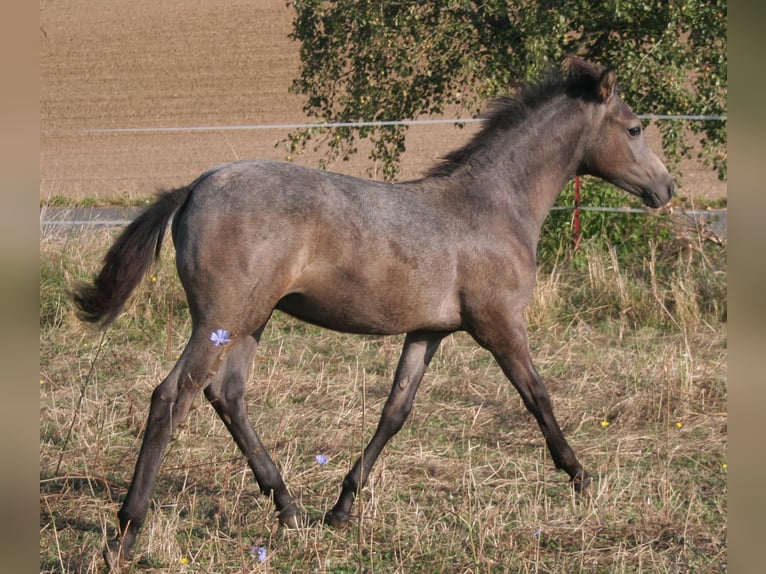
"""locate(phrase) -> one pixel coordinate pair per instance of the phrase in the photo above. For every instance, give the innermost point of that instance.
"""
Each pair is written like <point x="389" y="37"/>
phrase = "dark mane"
<point x="506" y="112"/>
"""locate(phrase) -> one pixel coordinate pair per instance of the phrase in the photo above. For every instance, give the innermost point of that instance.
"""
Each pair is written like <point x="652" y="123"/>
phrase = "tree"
<point x="384" y="60"/>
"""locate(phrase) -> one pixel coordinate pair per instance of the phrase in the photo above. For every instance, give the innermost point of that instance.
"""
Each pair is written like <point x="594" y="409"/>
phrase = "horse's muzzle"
<point x="657" y="197"/>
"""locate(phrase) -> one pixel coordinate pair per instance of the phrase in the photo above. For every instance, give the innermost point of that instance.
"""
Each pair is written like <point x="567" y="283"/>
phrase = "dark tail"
<point x="128" y="260"/>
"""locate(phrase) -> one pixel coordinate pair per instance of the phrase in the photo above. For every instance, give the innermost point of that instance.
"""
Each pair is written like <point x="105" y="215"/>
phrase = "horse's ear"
<point x="605" y="79"/>
<point x="576" y="66"/>
<point x="607" y="85"/>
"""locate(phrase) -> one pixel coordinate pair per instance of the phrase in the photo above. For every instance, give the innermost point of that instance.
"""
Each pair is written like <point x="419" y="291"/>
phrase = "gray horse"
<point x="452" y="251"/>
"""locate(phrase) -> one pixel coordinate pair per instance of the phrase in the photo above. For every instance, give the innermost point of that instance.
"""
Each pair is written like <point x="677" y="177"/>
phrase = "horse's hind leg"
<point x="418" y="350"/>
<point x="227" y="395"/>
<point x="170" y="404"/>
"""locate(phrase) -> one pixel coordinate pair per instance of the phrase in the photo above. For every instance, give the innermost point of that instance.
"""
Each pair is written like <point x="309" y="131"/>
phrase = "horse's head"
<point x="617" y="150"/>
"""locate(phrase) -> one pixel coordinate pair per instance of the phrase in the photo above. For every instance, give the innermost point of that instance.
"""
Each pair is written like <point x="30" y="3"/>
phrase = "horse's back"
<point x="268" y="199"/>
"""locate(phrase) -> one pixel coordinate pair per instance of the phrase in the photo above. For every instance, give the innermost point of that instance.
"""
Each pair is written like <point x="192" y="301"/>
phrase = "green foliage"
<point x="632" y="235"/>
<point x="387" y="60"/>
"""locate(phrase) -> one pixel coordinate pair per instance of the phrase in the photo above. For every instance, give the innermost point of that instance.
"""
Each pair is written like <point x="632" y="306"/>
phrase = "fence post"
<point x="576" y="216"/>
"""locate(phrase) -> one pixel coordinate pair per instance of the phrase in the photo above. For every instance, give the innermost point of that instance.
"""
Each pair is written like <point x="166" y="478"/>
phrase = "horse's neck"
<point x="533" y="162"/>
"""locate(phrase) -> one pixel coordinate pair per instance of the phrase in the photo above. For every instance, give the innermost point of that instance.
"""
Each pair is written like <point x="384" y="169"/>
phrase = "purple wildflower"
<point x="321" y="458"/>
<point x="260" y="552"/>
<point x="220" y="337"/>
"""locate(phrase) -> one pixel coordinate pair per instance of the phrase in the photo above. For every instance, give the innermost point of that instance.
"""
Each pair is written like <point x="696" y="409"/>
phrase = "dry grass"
<point x="466" y="486"/>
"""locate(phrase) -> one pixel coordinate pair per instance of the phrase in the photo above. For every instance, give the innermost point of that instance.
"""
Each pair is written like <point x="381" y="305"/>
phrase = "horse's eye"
<point x="635" y="131"/>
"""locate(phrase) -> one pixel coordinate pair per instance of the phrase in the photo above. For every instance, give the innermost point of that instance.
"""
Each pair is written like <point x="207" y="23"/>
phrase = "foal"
<point x="452" y="251"/>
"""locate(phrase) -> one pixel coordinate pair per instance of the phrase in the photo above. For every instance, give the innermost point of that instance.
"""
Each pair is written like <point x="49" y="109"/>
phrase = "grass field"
<point x="636" y="369"/>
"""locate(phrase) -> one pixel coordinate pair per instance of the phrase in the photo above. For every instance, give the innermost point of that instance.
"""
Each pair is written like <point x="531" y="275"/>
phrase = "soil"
<point x="143" y="64"/>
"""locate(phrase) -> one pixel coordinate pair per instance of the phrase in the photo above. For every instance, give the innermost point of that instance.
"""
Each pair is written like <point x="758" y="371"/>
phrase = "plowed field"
<point x="180" y="63"/>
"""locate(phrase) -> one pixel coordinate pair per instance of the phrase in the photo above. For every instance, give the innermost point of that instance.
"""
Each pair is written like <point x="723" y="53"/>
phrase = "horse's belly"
<point x="370" y="314"/>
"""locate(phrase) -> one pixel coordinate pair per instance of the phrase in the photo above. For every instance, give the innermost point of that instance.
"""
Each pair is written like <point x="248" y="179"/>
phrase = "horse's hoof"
<point x="292" y="518"/>
<point x="336" y="519"/>
<point x="581" y="482"/>
<point x="114" y="555"/>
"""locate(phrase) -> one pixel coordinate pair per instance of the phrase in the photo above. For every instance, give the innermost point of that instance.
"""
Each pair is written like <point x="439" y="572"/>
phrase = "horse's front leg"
<point x="507" y="340"/>
<point x="418" y="350"/>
